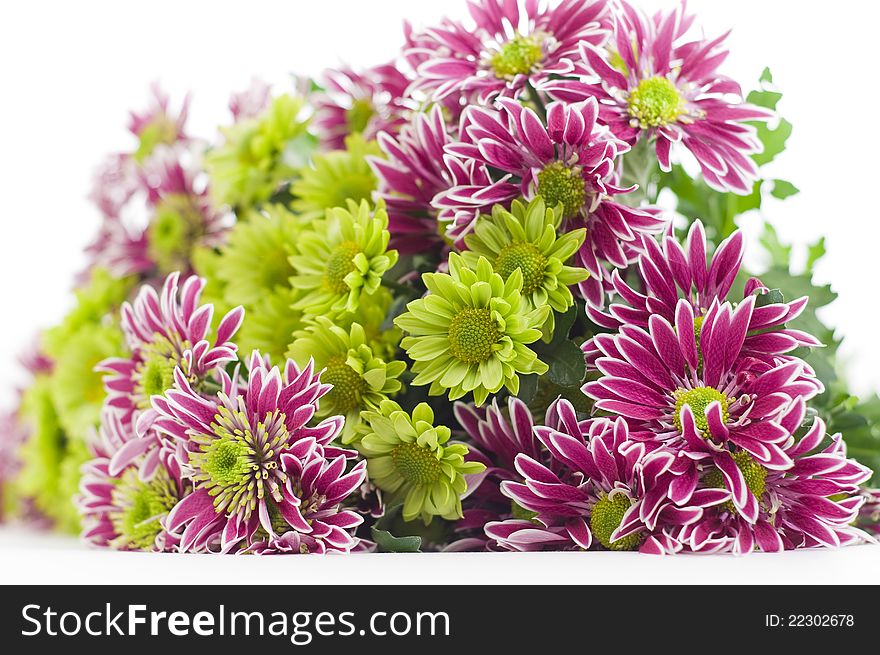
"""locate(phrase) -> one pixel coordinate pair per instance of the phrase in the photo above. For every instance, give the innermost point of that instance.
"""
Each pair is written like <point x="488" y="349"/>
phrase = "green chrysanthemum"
<point x="525" y="239"/>
<point x="336" y="177"/>
<point x="260" y="154"/>
<point x="470" y="333"/>
<point x="255" y="260"/>
<point x="269" y="325"/>
<point x="361" y="380"/>
<point x="175" y="228"/>
<point x="382" y="336"/>
<point x="207" y="263"/>
<point x="342" y="258"/>
<point x="408" y="458"/>
<point x="64" y="511"/>
<point x="77" y="389"/>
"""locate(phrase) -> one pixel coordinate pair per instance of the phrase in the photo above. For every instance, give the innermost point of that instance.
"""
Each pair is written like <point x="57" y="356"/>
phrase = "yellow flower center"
<point x="472" y="334"/>
<point x="698" y="400"/>
<point x="340" y="264"/>
<point x="348" y="386"/>
<point x="519" y="56"/>
<point x="607" y="515"/>
<point x="655" y="102"/>
<point x="527" y="258"/>
<point x="415" y="464"/>
<point x="558" y="183"/>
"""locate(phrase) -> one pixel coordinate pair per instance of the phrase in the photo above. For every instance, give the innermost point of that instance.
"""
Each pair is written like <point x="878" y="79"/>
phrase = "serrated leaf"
<point x="783" y="189"/>
<point x="774" y="140"/>
<point x="780" y="254"/>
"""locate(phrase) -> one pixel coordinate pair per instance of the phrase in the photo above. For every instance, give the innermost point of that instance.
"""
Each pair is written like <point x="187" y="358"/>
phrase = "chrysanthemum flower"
<point x="709" y="400"/>
<point x="259" y="155"/>
<point x="270" y="324"/>
<point x="251" y="102"/>
<point x="342" y="258"/>
<point x="677" y="271"/>
<point x="363" y="104"/>
<point x="334" y="178"/>
<point x="410" y="459"/>
<point x="382" y="338"/>
<point x="526" y="238"/>
<point x="121" y="510"/>
<point x="310" y="517"/>
<point x="605" y="487"/>
<point x="653" y="84"/>
<point x="414" y="170"/>
<point x="869" y="515"/>
<point x="471" y="332"/>
<point x="158" y="125"/>
<point x="233" y="443"/>
<point x="570" y="161"/>
<point x="165" y="331"/>
<point x="813" y="503"/>
<point x="361" y="379"/>
<point x="512" y="44"/>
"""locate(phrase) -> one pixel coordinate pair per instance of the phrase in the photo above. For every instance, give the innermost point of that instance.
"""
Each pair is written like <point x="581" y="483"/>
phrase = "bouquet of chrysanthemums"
<point x="487" y="296"/>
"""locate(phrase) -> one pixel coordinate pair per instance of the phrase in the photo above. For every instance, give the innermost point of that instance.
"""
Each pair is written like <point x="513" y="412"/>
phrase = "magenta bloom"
<point x="654" y="84"/>
<point x="158" y="124"/>
<point x="869" y="516"/>
<point x="569" y="160"/>
<point x="165" y="331"/>
<point x="367" y="103"/>
<point x="120" y="510"/>
<point x="690" y="387"/>
<point x="232" y="445"/>
<point x="251" y="102"/>
<point x="414" y="171"/>
<point x="811" y="504"/>
<point x="606" y="488"/>
<point x="673" y="272"/>
<point x="510" y="45"/>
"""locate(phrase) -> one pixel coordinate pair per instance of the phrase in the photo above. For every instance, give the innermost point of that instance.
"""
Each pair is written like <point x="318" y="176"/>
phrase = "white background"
<point x="70" y="71"/>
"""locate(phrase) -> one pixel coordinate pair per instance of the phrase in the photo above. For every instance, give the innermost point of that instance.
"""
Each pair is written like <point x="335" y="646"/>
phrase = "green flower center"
<point x="141" y="506"/>
<point x="157" y="376"/>
<point x="174" y="228"/>
<point x="359" y="115"/>
<point x="558" y="183"/>
<point x="161" y="130"/>
<point x="472" y="335"/>
<point x="698" y="400"/>
<point x="417" y="465"/>
<point x="527" y="258"/>
<point x="754" y="474"/>
<point x="519" y="56"/>
<point x="238" y="464"/>
<point x="348" y="385"/>
<point x="655" y="102"/>
<point x="607" y="515"/>
<point x="340" y="264"/>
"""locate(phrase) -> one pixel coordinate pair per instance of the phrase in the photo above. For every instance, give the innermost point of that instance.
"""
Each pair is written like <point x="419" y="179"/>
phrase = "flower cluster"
<point x="435" y="304"/>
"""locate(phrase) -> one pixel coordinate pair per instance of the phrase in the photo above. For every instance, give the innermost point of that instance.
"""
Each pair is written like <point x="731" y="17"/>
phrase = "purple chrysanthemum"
<point x="653" y="84"/>
<point x="232" y="446"/>
<point x="674" y="271"/>
<point x="511" y="44"/>
<point x="251" y="102"/>
<point x="165" y="331"/>
<point x="869" y="515"/>
<point x="119" y="509"/>
<point x="690" y="386"/>
<point x="569" y="160"/>
<point x="605" y="488"/>
<point x="366" y="103"/>
<point x="158" y="124"/>
<point x="813" y="503"/>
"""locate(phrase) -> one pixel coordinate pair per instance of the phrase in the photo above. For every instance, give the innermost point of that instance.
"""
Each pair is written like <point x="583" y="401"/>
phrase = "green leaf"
<point x="567" y="366"/>
<point x="815" y="252"/>
<point x="774" y="140"/>
<point x="780" y="253"/>
<point x="772" y="297"/>
<point x="528" y="387"/>
<point x="563" y="323"/>
<point x="387" y="542"/>
<point x="783" y="189"/>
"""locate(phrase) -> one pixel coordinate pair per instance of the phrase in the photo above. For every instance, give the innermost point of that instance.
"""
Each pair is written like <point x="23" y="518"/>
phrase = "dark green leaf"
<point x="567" y="366"/>
<point x="387" y="542"/>
<point x="772" y="297"/>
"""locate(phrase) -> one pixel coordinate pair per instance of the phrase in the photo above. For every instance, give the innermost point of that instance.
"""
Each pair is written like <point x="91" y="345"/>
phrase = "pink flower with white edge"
<point x="511" y="44"/>
<point x="366" y="103"/>
<point x="158" y="124"/>
<point x="606" y="489"/>
<point x="231" y="446"/>
<point x="165" y="331"/>
<point x="814" y="503"/>
<point x="570" y="161"/>
<point x="655" y="84"/>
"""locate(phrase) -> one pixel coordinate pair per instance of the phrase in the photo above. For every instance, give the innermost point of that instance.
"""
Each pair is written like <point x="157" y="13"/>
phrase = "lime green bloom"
<point x="408" y="458"/>
<point x="77" y="389"/>
<point x="269" y="324"/>
<point x="342" y="258"/>
<point x="361" y="380"/>
<point x="336" y="177"/>
<point x="255" y="260"/>
<point x="179" y="222"/>
<point x="207" y="262"/>
<point x="470" y="333"/>
<point x="525" y="238"/>
<point x="382" y="336"/>
<point x="103" y="295"/>
<point x="259" y="154"/>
